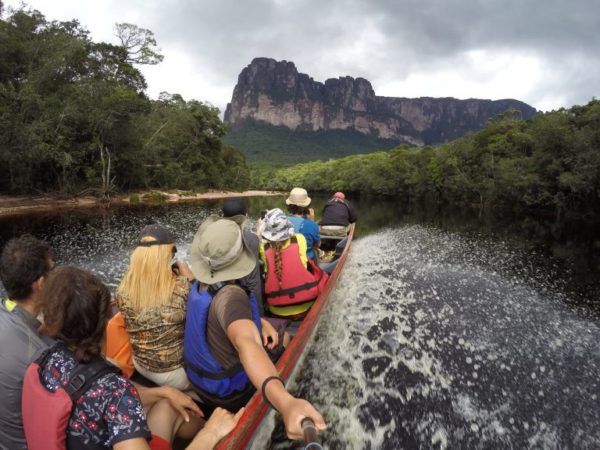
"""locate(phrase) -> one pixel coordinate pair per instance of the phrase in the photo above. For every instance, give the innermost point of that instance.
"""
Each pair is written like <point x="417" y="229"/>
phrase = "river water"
<point x="448" y="329"/>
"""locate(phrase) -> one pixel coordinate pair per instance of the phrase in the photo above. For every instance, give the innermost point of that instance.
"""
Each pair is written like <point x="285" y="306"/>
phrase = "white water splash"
<point x="423" y="345"/>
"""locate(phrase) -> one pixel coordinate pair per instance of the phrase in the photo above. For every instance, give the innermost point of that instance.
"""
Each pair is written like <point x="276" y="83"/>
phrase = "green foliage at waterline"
<point x="551" y="161"/>
<point x="74" y="116"/>
<point x="265" y="144"/>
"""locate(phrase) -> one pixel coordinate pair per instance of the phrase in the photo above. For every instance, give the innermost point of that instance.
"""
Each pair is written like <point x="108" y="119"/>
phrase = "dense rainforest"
<point x="266" y="144"/>
<point x="551" y="161"/>
<point x="74" y="116"/>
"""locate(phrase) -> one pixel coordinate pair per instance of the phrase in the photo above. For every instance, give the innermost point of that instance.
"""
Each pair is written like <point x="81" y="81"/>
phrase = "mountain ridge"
<point x="276" y="93"/>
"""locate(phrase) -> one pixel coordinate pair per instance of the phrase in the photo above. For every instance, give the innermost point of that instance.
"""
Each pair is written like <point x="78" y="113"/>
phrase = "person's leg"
<point x="286" y="339"/>
<point x="334" y="230"/>
<point x="178" y="379"/>
<point x="280" y="325"/>
<point x="293" y="327"/>
<point x="187" y="430"/>
<point x="175" y="378"/>
<point x="165" y="422"/>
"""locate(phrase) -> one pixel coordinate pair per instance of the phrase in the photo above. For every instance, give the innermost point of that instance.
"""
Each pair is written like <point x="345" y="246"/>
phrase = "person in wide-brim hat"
<point x="303" y="219"/>
<point x="229" y="328"/>
<point x="218" y="252"/>
<point x="299" y="197"/>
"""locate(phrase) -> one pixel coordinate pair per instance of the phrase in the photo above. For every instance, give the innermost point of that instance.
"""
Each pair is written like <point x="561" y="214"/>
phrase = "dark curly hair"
<point x="76" y="309"/>
<point x="24" y="260"/>
<point x="295" y="209"/>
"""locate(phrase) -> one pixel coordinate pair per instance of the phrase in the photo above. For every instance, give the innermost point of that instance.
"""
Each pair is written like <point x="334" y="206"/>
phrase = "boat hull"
<point x="257" y="408"/>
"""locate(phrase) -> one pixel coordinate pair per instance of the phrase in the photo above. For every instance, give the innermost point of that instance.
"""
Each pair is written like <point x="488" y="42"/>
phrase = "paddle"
<point x="311" y="440"/>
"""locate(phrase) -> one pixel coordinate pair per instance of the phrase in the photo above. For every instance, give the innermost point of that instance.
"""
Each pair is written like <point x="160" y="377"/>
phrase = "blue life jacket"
<point x="201" y="367"/>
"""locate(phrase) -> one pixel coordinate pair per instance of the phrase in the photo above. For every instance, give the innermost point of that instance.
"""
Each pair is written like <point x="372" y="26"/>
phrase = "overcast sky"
<point x="544" y="52"/>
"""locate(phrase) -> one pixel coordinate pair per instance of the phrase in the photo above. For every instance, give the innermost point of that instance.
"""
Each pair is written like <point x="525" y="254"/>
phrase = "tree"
<point x="139" y="44"/>
<point x="551" y="161"/>
<point x="74" y="116"/>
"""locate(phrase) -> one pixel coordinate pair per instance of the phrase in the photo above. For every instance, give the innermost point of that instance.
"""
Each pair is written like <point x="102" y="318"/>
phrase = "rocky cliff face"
<point x="276" y="93"/>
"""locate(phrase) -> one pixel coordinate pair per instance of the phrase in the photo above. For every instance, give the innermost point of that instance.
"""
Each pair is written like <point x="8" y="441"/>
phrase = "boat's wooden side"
<point x="257" y="408"/>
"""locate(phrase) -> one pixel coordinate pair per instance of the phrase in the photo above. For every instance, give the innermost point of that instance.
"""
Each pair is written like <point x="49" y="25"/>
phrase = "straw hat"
<point x="276" y="226"/>
<point x="218" y="252"/>
<point x="298" y="197"/>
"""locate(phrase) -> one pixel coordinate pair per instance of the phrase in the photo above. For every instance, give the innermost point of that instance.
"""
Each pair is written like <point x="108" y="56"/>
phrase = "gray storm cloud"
<point x="385" y="41"/>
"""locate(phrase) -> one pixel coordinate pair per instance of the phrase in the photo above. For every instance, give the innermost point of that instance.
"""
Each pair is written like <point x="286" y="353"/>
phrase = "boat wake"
<point x="437" y="340"/>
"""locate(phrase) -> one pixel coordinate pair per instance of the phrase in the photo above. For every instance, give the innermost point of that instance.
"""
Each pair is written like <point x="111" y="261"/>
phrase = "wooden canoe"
<point x="256" y="409"/>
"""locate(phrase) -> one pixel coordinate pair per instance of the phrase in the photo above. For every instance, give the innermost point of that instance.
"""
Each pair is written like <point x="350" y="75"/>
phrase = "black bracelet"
<point x="264" y="387"/>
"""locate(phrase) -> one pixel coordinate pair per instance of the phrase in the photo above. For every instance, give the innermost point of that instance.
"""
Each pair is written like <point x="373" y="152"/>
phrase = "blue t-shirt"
<point x="309" y="229"/>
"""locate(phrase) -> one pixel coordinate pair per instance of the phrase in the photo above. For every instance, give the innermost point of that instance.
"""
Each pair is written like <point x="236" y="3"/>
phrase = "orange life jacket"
<point x="298" y="284"/>
<point x="118" y="346"/>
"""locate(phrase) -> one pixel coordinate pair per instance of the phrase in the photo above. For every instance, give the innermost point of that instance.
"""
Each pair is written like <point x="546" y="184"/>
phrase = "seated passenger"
<point x="338" y="214"/>
<point x="224" y="356"/>
<point x="292" y="281"/>
<point x="24" y="265"/>
<point x="303" y="219"/>
<point x="109" y="413"/>
<point x="153" y="299"/>
<point x="235" y="209"/>
<point x="273" y="332"/>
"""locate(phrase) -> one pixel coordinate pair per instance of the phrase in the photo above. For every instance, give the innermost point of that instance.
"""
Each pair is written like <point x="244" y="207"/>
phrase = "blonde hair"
<point x="149" y="281"/>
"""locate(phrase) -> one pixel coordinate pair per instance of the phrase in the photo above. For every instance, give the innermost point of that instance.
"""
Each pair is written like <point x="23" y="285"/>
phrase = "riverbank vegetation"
<point x="75" y="119"/>
<point x="551" y="161"/>
<point x="74" y="116"/>
<point x="265" y="144"/>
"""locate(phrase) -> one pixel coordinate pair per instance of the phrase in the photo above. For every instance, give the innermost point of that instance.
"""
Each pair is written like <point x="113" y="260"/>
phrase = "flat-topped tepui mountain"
<point x="273" y="94"/>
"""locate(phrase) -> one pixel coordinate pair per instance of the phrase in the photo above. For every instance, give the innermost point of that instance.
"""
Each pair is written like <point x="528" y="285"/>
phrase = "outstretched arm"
<point x="244" y="336"/>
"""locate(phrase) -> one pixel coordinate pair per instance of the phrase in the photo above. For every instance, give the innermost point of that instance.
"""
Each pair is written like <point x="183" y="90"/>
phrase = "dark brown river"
<point x="448" y="329"/>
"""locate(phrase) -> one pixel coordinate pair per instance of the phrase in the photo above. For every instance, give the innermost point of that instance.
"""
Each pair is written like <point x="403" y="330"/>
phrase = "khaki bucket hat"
<point x="299" y="197"/>
<point x="218" y="252"/>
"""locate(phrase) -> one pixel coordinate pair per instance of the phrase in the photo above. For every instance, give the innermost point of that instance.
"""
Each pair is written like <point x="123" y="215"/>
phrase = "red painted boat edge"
<point x="256" y="409"/>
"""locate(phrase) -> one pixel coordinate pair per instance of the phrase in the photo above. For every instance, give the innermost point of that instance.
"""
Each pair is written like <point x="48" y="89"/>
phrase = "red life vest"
<point x="46" y="414"/>
<point x="298" y="284"/>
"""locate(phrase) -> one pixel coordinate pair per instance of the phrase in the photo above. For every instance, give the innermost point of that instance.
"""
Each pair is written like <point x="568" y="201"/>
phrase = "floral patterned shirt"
<point x="108" y="413"/>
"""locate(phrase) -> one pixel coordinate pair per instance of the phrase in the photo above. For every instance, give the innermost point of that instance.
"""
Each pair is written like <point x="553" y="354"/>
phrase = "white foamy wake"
<point x="434" y="340"/>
